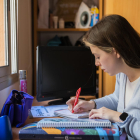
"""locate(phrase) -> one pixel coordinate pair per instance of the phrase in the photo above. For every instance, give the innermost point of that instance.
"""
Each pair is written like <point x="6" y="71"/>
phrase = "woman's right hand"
<point x="82" y="105"/>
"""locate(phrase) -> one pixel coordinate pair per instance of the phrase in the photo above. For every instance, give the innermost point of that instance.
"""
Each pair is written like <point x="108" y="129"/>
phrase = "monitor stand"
<point x="60" y="101"/>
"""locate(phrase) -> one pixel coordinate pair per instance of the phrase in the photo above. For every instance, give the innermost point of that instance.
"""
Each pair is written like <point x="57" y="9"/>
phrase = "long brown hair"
<point x="114" y="31"/>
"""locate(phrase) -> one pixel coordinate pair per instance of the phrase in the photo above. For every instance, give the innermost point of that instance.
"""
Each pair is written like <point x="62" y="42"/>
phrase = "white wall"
<point x="24" y="49"/>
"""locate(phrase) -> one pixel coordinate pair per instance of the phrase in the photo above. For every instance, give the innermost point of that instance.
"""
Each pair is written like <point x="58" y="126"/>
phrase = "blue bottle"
<point x="94" y="15"/>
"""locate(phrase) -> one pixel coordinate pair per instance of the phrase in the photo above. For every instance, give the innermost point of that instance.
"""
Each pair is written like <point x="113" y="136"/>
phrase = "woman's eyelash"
<point x="97" y="57"/>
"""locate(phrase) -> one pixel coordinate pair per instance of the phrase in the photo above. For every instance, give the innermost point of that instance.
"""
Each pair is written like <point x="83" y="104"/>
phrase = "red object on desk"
<point x="77" y="97"/>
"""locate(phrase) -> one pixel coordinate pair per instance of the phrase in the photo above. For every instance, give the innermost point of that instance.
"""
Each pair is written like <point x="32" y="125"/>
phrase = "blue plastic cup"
<point x="5" y="128"/>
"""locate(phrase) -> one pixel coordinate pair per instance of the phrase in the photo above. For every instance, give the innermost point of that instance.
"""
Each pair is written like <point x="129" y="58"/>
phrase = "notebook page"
<point x="67" y="113"/>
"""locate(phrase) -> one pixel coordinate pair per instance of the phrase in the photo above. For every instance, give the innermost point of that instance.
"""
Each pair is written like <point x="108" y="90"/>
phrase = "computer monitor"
<point x="62" y="70"/>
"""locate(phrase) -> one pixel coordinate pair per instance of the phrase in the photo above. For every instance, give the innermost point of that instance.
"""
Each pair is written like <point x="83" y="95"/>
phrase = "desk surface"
<point x="15" y="130"/>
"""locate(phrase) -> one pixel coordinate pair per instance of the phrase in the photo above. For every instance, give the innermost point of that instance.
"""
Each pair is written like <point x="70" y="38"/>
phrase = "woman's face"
<point x="109" y="62"/>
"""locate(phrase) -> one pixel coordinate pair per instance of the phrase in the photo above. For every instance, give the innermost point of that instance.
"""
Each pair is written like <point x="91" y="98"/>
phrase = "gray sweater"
<point x="115" y="101"/>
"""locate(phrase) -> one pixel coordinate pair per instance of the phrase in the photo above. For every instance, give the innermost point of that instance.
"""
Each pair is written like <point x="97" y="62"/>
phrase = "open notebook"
<point x="72" y="123"/>
<point x="67" y="114"/>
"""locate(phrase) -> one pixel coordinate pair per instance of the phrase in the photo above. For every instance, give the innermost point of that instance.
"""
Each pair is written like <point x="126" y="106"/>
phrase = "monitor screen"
<point x="62" y="70"/>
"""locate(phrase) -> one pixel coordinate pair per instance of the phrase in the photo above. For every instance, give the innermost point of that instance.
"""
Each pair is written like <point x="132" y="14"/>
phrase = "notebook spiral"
<point x="72" y="123"/>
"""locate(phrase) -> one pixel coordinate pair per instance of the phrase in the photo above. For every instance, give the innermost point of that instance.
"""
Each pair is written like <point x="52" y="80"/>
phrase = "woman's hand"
<point x="105" y="113"/>
<point x="82" y="105"/>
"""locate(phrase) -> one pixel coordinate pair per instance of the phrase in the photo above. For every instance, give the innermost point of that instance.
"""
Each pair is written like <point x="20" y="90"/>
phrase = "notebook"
<point x="31" y="132"/>
<point x="67" y="114"/>
<point x="72" y="123"/>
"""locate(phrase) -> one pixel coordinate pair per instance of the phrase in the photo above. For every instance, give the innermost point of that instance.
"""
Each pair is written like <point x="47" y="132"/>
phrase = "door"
<point x="130" y="10"/>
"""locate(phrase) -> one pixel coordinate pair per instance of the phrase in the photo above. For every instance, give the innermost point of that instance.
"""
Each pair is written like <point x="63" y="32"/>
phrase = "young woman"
<point x="116" y="47"/>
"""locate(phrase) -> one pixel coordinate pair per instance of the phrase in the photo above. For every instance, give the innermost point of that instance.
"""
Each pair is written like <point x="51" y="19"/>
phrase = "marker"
<point x="77" y="97"/>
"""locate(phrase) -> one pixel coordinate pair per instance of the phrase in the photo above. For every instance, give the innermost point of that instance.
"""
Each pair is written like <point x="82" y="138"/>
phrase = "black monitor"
<point x="62" y="70"/>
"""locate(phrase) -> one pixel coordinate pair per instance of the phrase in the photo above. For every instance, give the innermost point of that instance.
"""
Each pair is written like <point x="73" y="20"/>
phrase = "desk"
<point x="15" y="130"/>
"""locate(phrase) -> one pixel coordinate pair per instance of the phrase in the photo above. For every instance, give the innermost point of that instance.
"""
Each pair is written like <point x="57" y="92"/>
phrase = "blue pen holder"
<point x="5" y="128"/>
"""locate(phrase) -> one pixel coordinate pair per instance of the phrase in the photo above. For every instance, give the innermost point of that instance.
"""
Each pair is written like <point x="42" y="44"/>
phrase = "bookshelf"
<point x="37" y="34"/>
<point x="63" y="30"/>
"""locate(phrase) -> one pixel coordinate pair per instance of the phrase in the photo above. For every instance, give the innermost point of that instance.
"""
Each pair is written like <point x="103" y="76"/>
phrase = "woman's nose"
<point x="97" y="63"/>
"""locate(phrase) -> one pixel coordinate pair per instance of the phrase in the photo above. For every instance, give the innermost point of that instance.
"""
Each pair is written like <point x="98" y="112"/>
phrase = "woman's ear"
<point x="116" y="53"/>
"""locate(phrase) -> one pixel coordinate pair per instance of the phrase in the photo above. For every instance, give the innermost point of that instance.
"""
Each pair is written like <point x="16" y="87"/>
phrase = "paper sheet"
<point x="45" y="111"/>
<point x="67" y="113"/>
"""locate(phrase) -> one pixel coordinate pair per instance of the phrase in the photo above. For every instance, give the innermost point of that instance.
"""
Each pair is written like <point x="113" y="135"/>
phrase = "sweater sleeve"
<point x="132" y="127"/>
<point x="110" y="101"/>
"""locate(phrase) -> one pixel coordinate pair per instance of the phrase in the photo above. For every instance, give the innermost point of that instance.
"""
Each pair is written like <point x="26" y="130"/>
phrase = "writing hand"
<point x="82" y="105"/>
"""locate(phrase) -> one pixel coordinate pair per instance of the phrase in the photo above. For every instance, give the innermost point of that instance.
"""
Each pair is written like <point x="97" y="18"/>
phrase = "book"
<point x="63" y="122"/>
<point x="67" y="114"/>
<point x="45" y="111"/>
<point x="31" y="132"/>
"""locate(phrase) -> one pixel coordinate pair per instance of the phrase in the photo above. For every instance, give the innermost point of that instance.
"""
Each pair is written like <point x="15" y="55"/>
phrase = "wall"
<point x="24" y="49"/>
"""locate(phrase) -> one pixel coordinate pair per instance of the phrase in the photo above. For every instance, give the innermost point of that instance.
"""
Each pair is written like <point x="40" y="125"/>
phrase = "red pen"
<point x="77" y="97"/>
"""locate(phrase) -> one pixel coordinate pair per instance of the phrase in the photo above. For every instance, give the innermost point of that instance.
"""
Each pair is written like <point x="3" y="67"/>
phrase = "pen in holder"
<point x="17" y="106"/>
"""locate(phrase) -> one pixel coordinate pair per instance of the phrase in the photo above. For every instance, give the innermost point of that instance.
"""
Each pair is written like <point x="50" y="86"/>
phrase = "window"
<point x="8" y="43"/>
<point x="13" y="25"/>
<point x="3" y="35"/>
